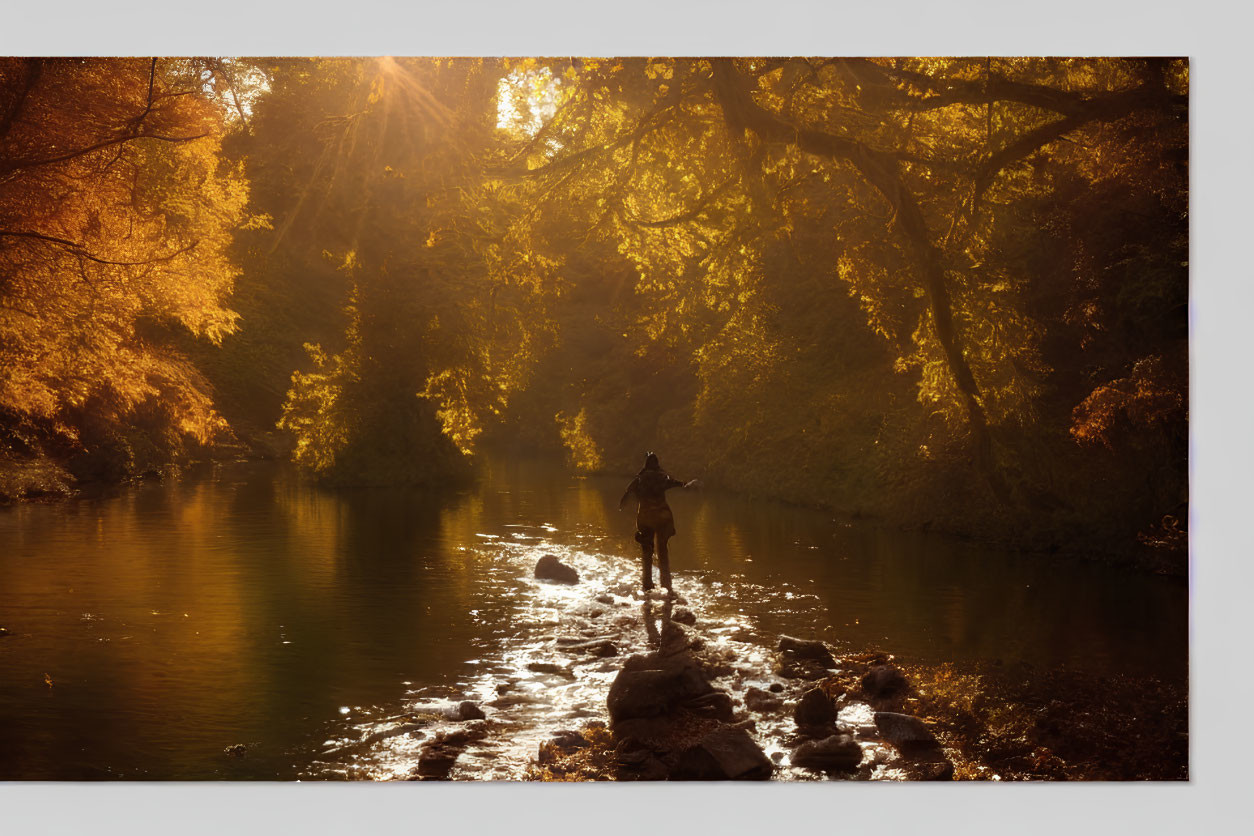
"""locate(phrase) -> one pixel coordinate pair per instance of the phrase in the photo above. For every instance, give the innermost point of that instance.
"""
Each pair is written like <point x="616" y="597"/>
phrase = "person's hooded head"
<point x="651" y="462"/>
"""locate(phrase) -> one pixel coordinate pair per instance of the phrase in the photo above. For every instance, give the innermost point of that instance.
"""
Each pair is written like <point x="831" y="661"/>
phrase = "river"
<point x="151" y="629"/>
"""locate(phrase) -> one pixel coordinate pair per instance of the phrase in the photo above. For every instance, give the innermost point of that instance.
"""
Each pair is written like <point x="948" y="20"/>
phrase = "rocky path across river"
<point x="604" y="683"/>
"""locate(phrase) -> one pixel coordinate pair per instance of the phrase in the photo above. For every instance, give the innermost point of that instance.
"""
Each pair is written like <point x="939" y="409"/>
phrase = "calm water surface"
<point x="245" y="606"/>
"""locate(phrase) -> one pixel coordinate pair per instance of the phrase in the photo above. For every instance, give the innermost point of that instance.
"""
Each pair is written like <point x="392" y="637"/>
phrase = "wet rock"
<point x="831" y="754"/>
<point x="637" y="762"/>
<point x="604" y="599"/>
<point x="437" y="758"/>
<point x="814" y="708"/>
<point x="749" y="725"/>
<point x="4" y="631"/>
<point x="807" y="669"/>
<point x="884" y="682"/>
<point x="511" y="700"/>
<point x="723" y="755"/>
<point x="762" y="701"/>
<point x="549" y="568"/>
<point x="546" y="667"/>
<point x="645" y="728"/>
<point x="804" y="659"/>
<point x="683" y="615"/>
<point x="236" y="751"/>
<point x="563" y="742"/>
<point x="414" y="729"/>
<point x="903" y="730"/>
<point x="776" y="687"/>
<point x="805" y="649"/>
<point x="675" y="639"/>
<point x="467" y="710"/>
<point x="640" y="691"/>
<point x="600" y="648"/>
<point x="716" y="706"/>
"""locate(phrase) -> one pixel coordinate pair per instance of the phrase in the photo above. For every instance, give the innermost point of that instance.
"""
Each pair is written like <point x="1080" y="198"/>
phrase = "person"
<point x="654" y="521"/>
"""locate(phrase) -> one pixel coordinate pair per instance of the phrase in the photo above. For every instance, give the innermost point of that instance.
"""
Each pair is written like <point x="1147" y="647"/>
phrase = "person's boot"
<point x="664" y="569"/>
<point x="647" y="582"/>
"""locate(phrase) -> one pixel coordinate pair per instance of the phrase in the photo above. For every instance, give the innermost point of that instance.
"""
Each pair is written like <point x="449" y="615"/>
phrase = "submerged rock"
<point x="236" y="751"/>
<point x="903" y="730"/>
<point x="726" y="754"/>
<point x="597" y="647"/>
<point x="437" y="758"/>
<point x="762" y="701"/>
<point x="835" y="753"/>
<point x="549" y="568"/>
<point x="547" y="667"/>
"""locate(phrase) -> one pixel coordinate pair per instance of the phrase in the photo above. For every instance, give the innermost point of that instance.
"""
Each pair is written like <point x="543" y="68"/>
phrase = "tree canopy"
<point x="944" y="291"/>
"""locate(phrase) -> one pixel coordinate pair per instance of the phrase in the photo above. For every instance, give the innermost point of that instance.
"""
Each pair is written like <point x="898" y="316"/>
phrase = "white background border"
<point x="1213" y="34"/>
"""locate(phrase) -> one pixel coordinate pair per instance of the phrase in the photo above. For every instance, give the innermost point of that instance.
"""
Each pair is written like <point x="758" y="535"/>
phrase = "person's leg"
<point x="646" y="548"/>
<point x="664" y="560"/>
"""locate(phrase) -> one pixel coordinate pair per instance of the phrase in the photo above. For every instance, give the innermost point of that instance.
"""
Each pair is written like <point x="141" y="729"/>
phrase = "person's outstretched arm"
<point x="675" y="483"/>
<point x="630" y="490"/>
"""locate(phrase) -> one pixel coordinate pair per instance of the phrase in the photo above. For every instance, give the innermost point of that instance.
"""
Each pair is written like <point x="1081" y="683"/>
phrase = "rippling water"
<point x="151" y="630"/>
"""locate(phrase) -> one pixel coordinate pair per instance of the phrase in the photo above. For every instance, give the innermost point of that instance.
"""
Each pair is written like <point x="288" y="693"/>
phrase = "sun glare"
<point x="526" y="100"/>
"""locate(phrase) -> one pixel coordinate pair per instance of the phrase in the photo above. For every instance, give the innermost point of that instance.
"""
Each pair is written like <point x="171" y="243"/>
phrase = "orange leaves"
<point x="1147" y="396"/>
<point x="118" y="218"/>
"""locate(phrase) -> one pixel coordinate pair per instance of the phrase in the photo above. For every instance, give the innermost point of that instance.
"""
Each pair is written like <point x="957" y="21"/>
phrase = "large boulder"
<point x="831" y="754"/>
<point x="903" y="730"/>
<point x="884" y="682"/>
<point x="549" y="568"/>
<point x="652" y="692"/>
<point x="814" y="708"/>
<point x="723" y="755"/>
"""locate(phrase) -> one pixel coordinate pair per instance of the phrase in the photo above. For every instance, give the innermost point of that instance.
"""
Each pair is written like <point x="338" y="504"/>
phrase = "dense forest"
<point x="940" y="293"/>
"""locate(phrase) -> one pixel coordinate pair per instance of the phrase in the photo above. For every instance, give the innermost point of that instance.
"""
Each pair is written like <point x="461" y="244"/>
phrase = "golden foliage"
<point x="116" y="212"/>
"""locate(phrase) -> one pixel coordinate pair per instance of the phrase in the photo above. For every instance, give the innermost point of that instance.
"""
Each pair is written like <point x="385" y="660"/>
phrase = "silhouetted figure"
<point x="654" y="521"/>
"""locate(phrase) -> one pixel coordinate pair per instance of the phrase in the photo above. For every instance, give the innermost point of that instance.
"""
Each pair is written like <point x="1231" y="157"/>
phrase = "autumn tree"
<point x="747" y="195"/>
<point x="116" y="211"/>
<point x="366" y="166"/>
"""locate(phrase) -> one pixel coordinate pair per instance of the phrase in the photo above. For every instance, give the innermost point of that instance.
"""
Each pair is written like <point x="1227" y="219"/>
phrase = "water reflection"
<point x="245" y="606"/>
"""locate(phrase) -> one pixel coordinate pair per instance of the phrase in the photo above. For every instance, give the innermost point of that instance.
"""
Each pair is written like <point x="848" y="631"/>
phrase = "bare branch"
<point x="80" y="250"/>
<point x="19" y="165"/>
